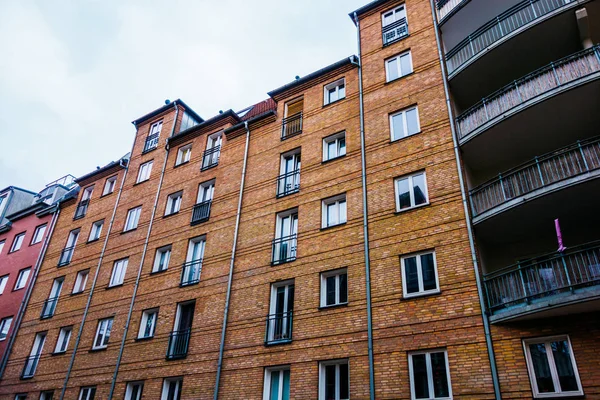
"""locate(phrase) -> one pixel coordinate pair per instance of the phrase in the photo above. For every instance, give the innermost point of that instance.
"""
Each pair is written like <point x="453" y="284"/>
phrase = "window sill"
<point x="276" y="263"/>
<point x="140" y="182"/>
<point x="325" y="308"/>
<point x="420" y="295"/>
<point x="405" y="137"/>
<point x="180" y="164"/>
<point x="149" y="150"/>
<point x="98" y="349"/>
<point x="159" y="271"/>
<point x="334" y="102"/>
<point x="561" y="396"/>
<point x="209" y="167"/>
<point x="14" y="251"/>
<point x="129" y="230"/>
<point x="113" y="286"/>
<point x="168" y="215"/>
<point x="405" y="210"/>
<point x="58" y="353"/>
<point x="107" y="194"/>
<point x="278" y="342"/>
<point x="395" y="41"/>
<point x="143" y="339"/>
<point x="333" y="226"/>
<point x="16" y="290"/>
<point x="398" y="78"/>
<point x="332" y="159"/>
<point x="290" y="136"/>
<point x="77" y="293"/>
<point x="92" y="241"/>
<point x="289" y="193"/>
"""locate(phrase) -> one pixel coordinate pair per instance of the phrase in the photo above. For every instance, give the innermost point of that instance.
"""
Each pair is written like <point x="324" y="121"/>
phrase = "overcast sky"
<point x="75" y="73"/>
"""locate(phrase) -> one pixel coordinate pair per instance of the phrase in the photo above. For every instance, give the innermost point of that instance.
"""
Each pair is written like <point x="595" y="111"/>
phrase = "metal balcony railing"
<point x="291" y="126"/>
<point x="190" y="272"/>
<point x="288" y="183"/>
<point x="553" y="76"/>
<point x="279" y="328"/>
<point x="65" y="256"/>
<point x="81" y="209"/>
<point x="201" y="212"/>
<point x="394" y="31"/>
<point x="179" y="342"/>
<point x="49" y="307"/>
<point x="445" y="7"/>
<point x="284" y="249"/>
<point x="30" y="366"/>
<point x="544" y="276"/>
<point x="151" y="142"/>
<point x="503" y="25"/>
<point x="211" y="157"/>
<point x="543" y="171"/>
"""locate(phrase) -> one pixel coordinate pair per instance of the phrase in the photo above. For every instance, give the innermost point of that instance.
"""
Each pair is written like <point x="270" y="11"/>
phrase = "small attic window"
<point x="242" y="113"/>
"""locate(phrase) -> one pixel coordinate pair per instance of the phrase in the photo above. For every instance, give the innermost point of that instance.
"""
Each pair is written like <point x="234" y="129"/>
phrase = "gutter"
<point x="365" y="216"/>
<point x="486" y="323"/>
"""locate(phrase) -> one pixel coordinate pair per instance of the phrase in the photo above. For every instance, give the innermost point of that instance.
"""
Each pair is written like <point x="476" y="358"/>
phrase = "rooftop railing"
<point x="49" y="307"/>
<point x="542" y="81"/>
<point x="190" y="272"/>
<point x="284" y="249"/>
<point x="81" y="209"/>
<point x="291" y="126"/>
<point x="210" y="157"/>
<point x="288" y="183"/>
<point x="279" y="327"/>
<point x="201" y="212"/>
<point x="151" y="142"/>
<point x="179" y="342"/>
<point x="445" y="7"/>
<point x="65" y="256"/>
<point x="394" y="31"/>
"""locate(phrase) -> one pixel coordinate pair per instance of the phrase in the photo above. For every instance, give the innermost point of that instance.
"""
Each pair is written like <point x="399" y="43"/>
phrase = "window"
<point x="288" y="181"/>
<point x="404" y="123"/>
<point x="22" y="278"/>
<point x="133" y="217"/>
<point x="552" y="367"/>
<point x="193" y="262"/>
<point x="394" y="25"/>
<point x="429" y="375"/>
<point x="334" y="146"/>
<point x="201" y="210"/>
<point x="184" y="154"/>
<point x="286" y="234"/>
<point x="281" y="312"/>
<point x="47" y="395"/>
<point x="96" y="230"/>
<point x="80" y="281"/>
<point x="187" y="121"/>
<point x="398" y="66"/>
<point x="134" y="391"/>
<point x="182" y="328"/>
<point x="161" y="260"/>
<point x="5" y="327"/>
<point x="144" y="172"/>
<point x="109" y="185"/>
<point x="87" y="193"/>
<point x="3" y="282"/>
<point x="334" y="288"/>
<point x="102" y="333"/>
<point x="213" y="150"/>
<point x="2" y="245"/>
<point x="334" y="380"/>
<point x="87" y="393"/>
<point x="148" y="323"/>
<point x="334" y="91"/>
<point x="62" y="343"/>
<point x="334" y="211"/>
<point x="38" y="234"/>
<point x="21" y="396"/>
<point x="173" y="203"/>
<point x="155" y="128"/>
<point x="172" y="389"/>
<point x="32" y="361"/>
<point x="411" y="191"/>
<point x="277" y="383"/>
<point x="389" y="17"/>
<point x="17" y="242"/>
<point x="67" y="253"/>
<point x="419" y="274"/>
<point x="118" y="272"/>
<point x="292" y="118"/>
<point x="50" y="304"/>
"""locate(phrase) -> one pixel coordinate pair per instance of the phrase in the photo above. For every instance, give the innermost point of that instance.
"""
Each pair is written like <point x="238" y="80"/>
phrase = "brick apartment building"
<point x="236" y="257"/>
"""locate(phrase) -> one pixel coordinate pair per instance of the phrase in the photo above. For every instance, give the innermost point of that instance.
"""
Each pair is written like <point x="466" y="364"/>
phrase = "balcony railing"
<point x="284" y="249"/>
<point x="503" y="25"/>
<point x="30" y="366"/>
<point x="151" y="142"/>
<point x="190" y="272"/>
<point x="279" y="328"/>
<point x="535" y="84"/>
<point x="49" y="307"/>
<point x="394" y="31"/>
<point x="445" y="7"/>
<point x="211" y="157"/>
<point x="81" y="209"/>
<point x="291" y="126"/>
<point x="65" y="256"/>
<point x="544" y="276"/>
<point x="288" y="183"/>
<point x="543" y="171"/>
<point x="201" y="212"/>
<point x="178" y="344"/>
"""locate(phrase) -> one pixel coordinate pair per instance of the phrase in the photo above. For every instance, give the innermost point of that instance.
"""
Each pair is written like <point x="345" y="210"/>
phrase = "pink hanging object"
<point x="561" y="247"/>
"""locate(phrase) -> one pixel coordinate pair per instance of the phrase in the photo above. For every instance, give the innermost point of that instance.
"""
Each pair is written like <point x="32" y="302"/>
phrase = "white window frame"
<point x="81" y="276"/>
<point x="342" y="217"/>
<point x="47" y="395"/>
<point x="429" y="373"/>
<point x="3" y="282"/>
<point x="104" y="325"/>
<point x="96" y="230"/>
<point x="165" y="389"/>
<point x="394" y="11"/>
<point x="338" y="86"/>
<point x="87" y="393"/>
<point x="322" y="366"/>
<point x="129" y="390"/>
<point x="161" y="250"/>
<point x="87" y="193"/>
<point x="2" y="242"/>
<point x="5" y="324"/>
<point x="399" y="70"/>
<point x="206" y="191"/>
<point x="109" y="185"/>
<point x="328" y="274"/>
<point x="38" y="234"/>
<point x="551" y="362"/>
<point x="421" y="292"/>
<point x="404" y="123"/>
<point x="267" y="381"/>
<point x="174" y="203"/>
<point x="184" y="154"/>
<point x="119" y="270"/>
<point x="133" y="218"/>
<point x="336" y="139"/>
<point x="144" y="171"/>
<point x="156" y="127"/>
<point x="411" y="191"/>
<point x="144" y="320"/>
<point x="64" y="332"/>
<point x="22" y="278"/>
<point x="17" y="242"/>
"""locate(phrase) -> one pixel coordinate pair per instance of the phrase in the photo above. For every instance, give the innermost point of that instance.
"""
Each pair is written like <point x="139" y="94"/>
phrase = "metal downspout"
<point x="231" y="264"/>
<point x="28" y="292"/>
<point x="486" y="324"/>
<point x="365" y="217"/>
<point x="139" y="274"/>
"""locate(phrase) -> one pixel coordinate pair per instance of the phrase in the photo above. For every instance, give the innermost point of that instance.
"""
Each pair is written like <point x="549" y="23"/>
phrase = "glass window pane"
<point x="330" y="290"/>
<point x="344" y="384"/>
<point x="342" y="145"/>
<point x="274" y="385"/>
<point x="403" y="193"/>
<point x="329" y="382"/>
<point x="439" y="375"/>
<point x="539" y="359"/>
<point x="419" y="188"/>
<point x="342" y="92"/>
<point x="428" y="272"/>
<point x="332" y="215"/>
<point x="398" y="126"/>
<point x="343" y="288"/>
<point x="405" y="64"/>
<point x="420" y="376"/>
<point x="564" y="366"/>
<point x="392" y="66"/>
<point x="342" y="207"/>
<point x="286" y="385"/>
<point x="331" y="150"/>
<point x="411" y="275"/>
<point x="411" y="121"/>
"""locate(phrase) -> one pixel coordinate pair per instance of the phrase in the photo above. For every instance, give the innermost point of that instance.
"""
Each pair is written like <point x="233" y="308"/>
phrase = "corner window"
<point x="133" y="217"/>
<point x="22" y="278"/>
<point x="419" y="274"/>
<point x="429" y="375"/>
<point x="184" y="154"/>
<point x="87" y="393"/>
<point x="134" y="391"/>
<point x="62" y="343"/>
<point x="17" y="242"/>
<point x="109" y="185"/>
<point x="277" y="383"/>
<point x="334" y="380"/>
<point x="404" y="123"/>
<point x="334" y="146"/>
<point x="118" y="272"/>
<point x="5" y="327"/>
<point x="335" y="91"/>
<point x="334" y="288"/>
<point x="411" y="191"/>
<point x="148" y="323"/>
<point x="334" y="211"/>
<point x="173" y="203"/>
<point x="80" y="281"/>
<point x="172" y="389"/>
<point x="161" y="260"/>
<point x="398" y="66"/>
<point x="3" y="282"/>
<point x="552" y="368"/>
<point x="96" y="230"/>
<point x="102" y="333"/>
<point x="144" y="172"/>
<point x="38" y="234"/>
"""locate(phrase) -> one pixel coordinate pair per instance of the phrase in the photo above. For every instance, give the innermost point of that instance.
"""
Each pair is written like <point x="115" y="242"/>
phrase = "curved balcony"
<point x="543" y="175"/>
<point x="446" y="7"/>
<point x="546" y="82"/>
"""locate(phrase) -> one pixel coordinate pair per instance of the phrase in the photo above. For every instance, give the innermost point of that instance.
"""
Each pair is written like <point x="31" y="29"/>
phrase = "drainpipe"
<point x="365" y="215"/>
<point x="139" y="274"/>
<point x="28" y="292"/>
<point x="486" y="323"/>
<point x="231" y="263"/>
